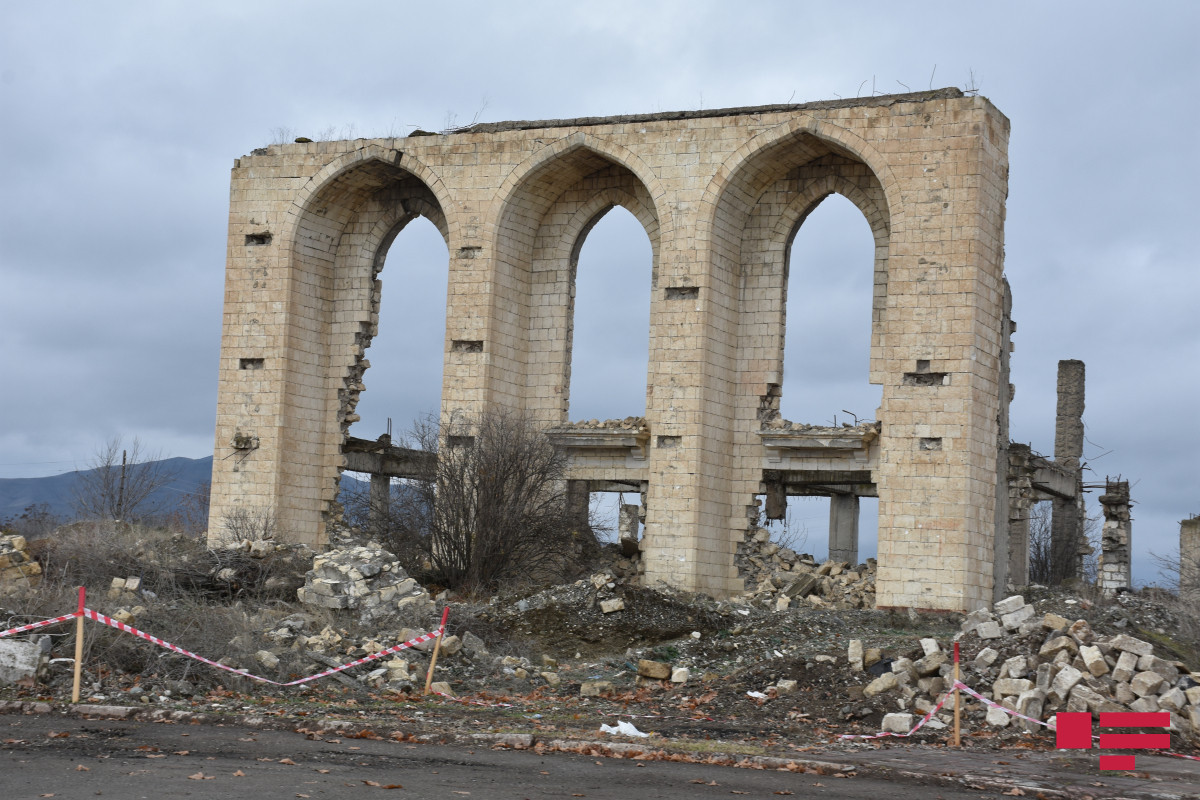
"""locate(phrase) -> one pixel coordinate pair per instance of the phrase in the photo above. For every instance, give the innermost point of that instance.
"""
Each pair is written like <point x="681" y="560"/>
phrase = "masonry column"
<point x="1020" y="499"/>
<point x="1115" y="538"/>
<point x="1189" y="556"/>
<point x="843" y="528"/>
<point x="1066" y="524"/>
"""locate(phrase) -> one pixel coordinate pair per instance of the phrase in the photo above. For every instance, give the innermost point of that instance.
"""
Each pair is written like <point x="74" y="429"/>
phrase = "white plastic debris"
<point x="623" y="728"/>
<point x="757" y="695"/>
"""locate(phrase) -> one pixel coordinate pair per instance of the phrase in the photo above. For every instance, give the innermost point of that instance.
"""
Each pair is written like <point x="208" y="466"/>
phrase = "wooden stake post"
<point x="78" y="648"/>
<point x="957" y="739"/>
<point x="437" y="646"/>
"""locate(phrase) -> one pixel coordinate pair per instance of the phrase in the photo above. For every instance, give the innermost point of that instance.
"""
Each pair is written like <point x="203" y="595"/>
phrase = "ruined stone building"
<point x="721" y="194"/>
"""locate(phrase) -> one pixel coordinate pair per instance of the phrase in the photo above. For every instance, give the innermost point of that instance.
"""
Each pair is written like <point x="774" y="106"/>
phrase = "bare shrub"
<point x="249" y="524"/>
<point x="34" y="522"/>
<point x="120" y="483"/>
<point x="494" y="512"/>
<point x="1049" y="562"/>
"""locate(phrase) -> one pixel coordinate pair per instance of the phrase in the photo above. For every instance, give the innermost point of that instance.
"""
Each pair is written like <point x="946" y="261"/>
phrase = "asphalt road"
<point x="54" y="756"/>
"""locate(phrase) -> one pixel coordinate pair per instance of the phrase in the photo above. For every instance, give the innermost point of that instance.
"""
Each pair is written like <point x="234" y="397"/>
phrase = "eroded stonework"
<point x="721" y="195"/>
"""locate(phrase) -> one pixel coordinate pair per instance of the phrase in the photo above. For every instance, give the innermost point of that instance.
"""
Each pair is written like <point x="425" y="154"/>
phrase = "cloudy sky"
<point x="122" y="119"/>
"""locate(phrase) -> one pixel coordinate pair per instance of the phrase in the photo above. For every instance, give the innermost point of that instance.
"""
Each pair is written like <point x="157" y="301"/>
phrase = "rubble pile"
<point x="365" y="578"/>
<point x="780" y="578"/>
<point x="18" y="570"/>
<point x="1037" y="665"/>
<point x="626" y="424"/>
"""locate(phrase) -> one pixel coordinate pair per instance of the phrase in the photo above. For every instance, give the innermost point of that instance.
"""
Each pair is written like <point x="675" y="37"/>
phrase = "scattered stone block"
<point x="451" y="645"/>
<point x="612" y="604"/>
<point x="1172" y="699"/>
<point x="1058" y="645"/>
<point x="1094" y="660"/>
<point x="19" y="661"/>
<point x="1015" y="667"/>
<point x="1031" y="703"/>
<point x="267" y="659"/>
<point x="1126" y="667"/>
<point x="1129" y="644"/>
<point x="1145" y="705"/>
<point x="998" y="717"/>
<point x="884" y="683"/>
<point x="1081" y="632"/>
<point x="595" y="688"/>
<point x="986" y="657"/>
<point x="1123" y="694"/>
<point x="1152" y="663"/>
<point x="930" y="646"/>
<point x="441" y="687"/>
<point x="1146" y="683"/>
<point x="1053" y="622"/>
<point x="655" y="670"/>
<point x="1062" y="685"/>
<point x="1010" y="686"/>
<point x="871" y="656"/>
<point x="681" y="675"/>
<point x="551" y="678"/>
<point x="786" y="687"/>
<point x="989" y="630"/>
<point x="1008" y="605"/>
<point x="854" y="654"/>
<point x="897" y="723"/>
<point x="1014" y="619"/>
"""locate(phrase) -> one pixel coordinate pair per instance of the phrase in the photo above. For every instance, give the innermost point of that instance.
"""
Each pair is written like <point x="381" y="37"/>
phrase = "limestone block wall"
<point x="721" y="194"/>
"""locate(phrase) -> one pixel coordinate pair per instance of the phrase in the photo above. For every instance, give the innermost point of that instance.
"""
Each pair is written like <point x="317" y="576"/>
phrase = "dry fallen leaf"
<point x="182" y="752"/>
<point x="200" y="776"/>
<point x="371" y="783"/>
<point x="82" y="768"/>
<point x="239" y="774"/>
<point x="1014" y="792"/>
<point x="323" y="771"/>
<point x="58" y="735"/>
<point x="156" y="755"/>
<point x="287" y="761"/>
<point x="784" y="791"/>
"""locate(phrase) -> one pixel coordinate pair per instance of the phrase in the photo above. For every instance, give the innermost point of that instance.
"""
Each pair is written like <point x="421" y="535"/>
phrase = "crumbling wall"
<point x="720" y="194"/>
<point x="1114" y="563"/>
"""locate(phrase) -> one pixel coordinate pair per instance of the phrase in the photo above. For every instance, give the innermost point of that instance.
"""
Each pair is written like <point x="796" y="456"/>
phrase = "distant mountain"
<point x="57" y="492"/>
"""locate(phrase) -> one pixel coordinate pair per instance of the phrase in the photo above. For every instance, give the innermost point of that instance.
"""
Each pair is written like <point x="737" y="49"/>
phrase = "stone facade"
<point x="721" y="195"/>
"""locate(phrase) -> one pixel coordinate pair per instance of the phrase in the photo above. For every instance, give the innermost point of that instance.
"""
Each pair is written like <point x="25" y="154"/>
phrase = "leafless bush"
<point x="34" y="522"/>
<point x="252" y="524"/>
<point x="1049" y="561"/>
<point x="120" y="483"/>
<point x="190" y="515"/>
<point x="494" y="512"/>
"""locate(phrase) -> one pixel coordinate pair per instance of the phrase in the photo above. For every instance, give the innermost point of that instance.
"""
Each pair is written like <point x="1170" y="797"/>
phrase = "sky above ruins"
<point x="121" y="121"/>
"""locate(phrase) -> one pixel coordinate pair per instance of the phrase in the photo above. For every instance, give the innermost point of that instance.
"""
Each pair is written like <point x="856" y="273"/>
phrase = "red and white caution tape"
<point x="35" y="625"/>
<point x="941" y="701"/>
<point x="1005" y="709"/>
<point x="112" y="623"/>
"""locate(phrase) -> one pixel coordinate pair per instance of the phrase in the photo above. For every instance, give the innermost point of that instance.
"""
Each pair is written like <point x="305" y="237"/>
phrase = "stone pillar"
<point x="579" y="500"/>
<point x="1000" y="543"/>
<point x="1020" y="500"/>
<point x="1114" y="572"/>
<point x="380" y="499"/>
<point x="1066" y="525"/>
<point x="1189" y="556"/>
<point x="627" y="528"/>
<point x="843" y="528"/>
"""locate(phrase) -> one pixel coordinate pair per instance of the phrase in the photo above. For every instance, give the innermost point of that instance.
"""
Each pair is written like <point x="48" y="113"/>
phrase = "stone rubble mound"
<point x="626" y="424"/>
<point x="1037" y="666"/>
<point x="18" y="571"/>
<point x="780" y="578"/>
<point x="365" y="578"/>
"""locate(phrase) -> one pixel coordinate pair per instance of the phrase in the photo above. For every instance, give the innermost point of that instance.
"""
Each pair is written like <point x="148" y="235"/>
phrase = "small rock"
<point x="998" y="717"/>
<point x="897" y="723"/>
<point x="655" y="670"/>
<point x="267" y="659"/>
<point x="854" y="654"/>
<point x="1094" y="660"/>
<point x="1053" y="622"/>
<point x="551" y="678"/>
<point x="612" y="604"/>
<point x="989" y="630"/>
<point x="1145" y="683"/>
<point x="884" y="683"/>
<point x="1126" y="667"/>
<point x="986" y="657"/>
<point x="595" y="688"/>
<point x="786" y="687"/>
<point x="442" y="687"/>
<point x="1008" y="605"/>
<point x="680" y="675"/>
<point x="1129" y="644"/>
